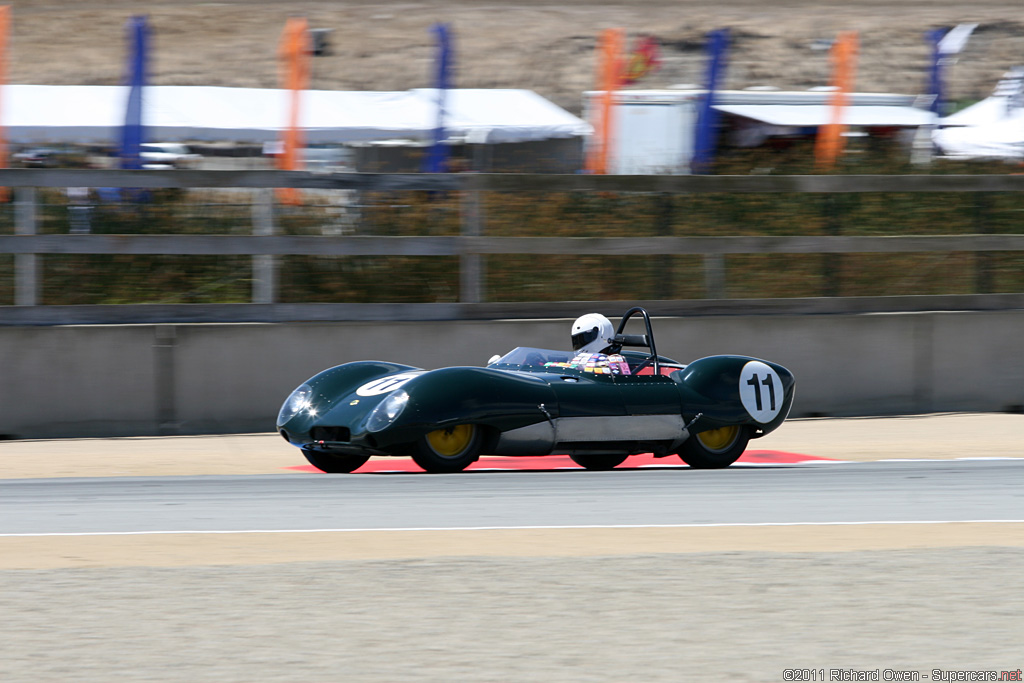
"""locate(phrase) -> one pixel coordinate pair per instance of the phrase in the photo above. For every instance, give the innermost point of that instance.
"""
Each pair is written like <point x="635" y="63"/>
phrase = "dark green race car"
<point x="534" y="402"/>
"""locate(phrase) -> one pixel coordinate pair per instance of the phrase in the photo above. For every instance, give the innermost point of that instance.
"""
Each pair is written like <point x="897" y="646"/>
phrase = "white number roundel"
<point x="385" y="385"/>
<point x="760" y="391"/>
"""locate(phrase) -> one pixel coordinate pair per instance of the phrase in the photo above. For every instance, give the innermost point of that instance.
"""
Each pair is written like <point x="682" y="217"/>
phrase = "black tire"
<point x="715" y="448"/>
<point x="334" y="463"/>
<point x="599" y="461"/>
<point x="447" y="450"/>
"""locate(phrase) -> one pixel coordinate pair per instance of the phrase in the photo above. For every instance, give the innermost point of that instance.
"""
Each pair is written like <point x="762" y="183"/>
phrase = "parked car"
<point x="39" y="157"/>
<point x="157" y="155"/>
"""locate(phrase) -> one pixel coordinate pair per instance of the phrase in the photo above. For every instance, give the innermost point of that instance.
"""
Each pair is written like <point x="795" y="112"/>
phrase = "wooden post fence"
<point x="265" y="245"/>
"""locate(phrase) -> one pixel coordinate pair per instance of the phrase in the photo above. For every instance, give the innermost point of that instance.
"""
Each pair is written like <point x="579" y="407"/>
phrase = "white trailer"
<point x="653" y="130"/>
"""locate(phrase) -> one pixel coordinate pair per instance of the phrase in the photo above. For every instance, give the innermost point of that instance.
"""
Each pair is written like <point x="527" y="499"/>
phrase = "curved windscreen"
<point x="529" y="356"/>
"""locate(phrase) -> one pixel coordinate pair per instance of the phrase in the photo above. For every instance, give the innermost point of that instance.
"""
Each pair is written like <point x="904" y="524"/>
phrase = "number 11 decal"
<point x="760" y="391"/>
<point x="767" y="381"/>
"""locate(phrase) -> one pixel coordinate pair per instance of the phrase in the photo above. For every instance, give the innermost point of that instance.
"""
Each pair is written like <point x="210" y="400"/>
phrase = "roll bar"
<point x="644" y="340"/>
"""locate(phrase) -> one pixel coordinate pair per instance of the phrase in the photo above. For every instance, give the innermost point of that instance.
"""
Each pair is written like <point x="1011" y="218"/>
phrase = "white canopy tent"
<point x="813" y="115"/>
<point x="1000" y="139"/>
<point x="990" y="129"/>
<point x="94" y="114"/>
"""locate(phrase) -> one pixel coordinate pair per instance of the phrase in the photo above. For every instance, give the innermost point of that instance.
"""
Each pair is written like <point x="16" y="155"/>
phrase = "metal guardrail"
<point x="153" y="314"/>
<point x="264" y="246"/>
<point x="292" y="245"/>
<point x="512" y="182"/>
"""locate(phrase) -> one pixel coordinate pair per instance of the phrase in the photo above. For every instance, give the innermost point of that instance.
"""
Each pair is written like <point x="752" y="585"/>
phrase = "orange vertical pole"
<point x="5" y="28"/>
<point x="829" y="143"/>
<point x="609" y="78"/>
<point x="294" y="53"/>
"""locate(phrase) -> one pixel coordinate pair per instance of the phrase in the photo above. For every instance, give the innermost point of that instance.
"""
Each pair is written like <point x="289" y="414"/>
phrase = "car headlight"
<point x="301" y="399"/>
<point x="387" y="410"/>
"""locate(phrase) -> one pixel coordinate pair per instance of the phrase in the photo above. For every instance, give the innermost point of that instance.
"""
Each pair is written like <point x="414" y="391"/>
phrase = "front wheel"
<point x="715" y="448"/>
<point x="599" y="461"/>
<point x="447" y="450"/>
<point x="334" y="463"/>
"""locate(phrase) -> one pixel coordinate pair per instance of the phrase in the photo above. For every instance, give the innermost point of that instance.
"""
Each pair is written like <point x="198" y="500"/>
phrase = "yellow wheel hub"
<point x="719" y="439"/>
<point x="451" y="441"/>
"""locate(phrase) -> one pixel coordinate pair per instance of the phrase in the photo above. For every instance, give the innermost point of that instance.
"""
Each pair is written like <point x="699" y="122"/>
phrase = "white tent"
<point x="94" y="114"/>
<point x="813" y="115"/>
<point x="992" y="128"/>
<point x="999" y="139"/>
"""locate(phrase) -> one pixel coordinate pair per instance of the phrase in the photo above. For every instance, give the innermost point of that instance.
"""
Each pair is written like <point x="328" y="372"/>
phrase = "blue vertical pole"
<point x="437" y="156"/>
<point x="934" y="37"/>
<point x="707" y="116"/>
<point x="132" y="133"/>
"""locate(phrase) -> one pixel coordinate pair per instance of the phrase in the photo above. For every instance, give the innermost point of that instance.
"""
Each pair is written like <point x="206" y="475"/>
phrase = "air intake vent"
<point x="330" y="434"/>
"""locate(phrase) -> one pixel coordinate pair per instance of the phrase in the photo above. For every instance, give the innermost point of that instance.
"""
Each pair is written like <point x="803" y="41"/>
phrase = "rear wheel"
<point x="334" y="463"/>
<point x="715" y="448"/>
<point x="451" y="449"/>
<point x="599" y="461"/>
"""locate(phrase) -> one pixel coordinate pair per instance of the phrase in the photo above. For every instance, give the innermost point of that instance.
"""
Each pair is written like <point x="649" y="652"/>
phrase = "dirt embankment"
<point x="541" y="46"/>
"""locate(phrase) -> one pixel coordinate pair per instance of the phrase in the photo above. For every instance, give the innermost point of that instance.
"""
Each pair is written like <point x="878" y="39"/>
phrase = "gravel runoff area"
<point x="543" y="46"/>
<point x="736" y="604"/>
<point x="747" y="616"/>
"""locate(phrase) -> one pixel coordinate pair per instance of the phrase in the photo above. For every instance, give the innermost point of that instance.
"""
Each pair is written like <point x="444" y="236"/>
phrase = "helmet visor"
<point x="581" y="339"/>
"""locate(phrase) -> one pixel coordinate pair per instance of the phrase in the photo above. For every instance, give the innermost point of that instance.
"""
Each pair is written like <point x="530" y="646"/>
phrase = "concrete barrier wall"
<point x="194" y="379"/>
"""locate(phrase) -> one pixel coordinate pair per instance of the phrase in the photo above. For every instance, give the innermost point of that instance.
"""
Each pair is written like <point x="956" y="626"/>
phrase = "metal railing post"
<point x="714" y="276"/>
<point x="664" y="280"/>
<point x="983" y="259"/>
<point x="831" y="264"/>
<point x="26" y="282"/>
<point x="264" y="266"/>
<point x="471" y="266"/>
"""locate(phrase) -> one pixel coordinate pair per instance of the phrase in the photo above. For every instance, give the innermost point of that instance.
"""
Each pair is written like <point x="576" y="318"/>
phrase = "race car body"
<point x="598" y="409"/>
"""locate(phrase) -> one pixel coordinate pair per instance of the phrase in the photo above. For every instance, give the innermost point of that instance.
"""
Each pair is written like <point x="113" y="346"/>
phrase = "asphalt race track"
<point x="178" y="560"/>
<point x="817" y="493"/>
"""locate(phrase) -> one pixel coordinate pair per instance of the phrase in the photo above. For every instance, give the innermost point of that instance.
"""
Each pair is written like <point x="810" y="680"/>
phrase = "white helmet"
<point x="592" y="333"/>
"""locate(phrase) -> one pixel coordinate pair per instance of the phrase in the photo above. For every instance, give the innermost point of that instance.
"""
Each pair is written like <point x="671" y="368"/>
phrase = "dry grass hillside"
<point x="544" y="46"/>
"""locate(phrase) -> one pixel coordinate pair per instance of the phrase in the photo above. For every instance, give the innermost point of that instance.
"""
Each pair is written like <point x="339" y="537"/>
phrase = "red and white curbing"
<point x="563" y="462"/>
